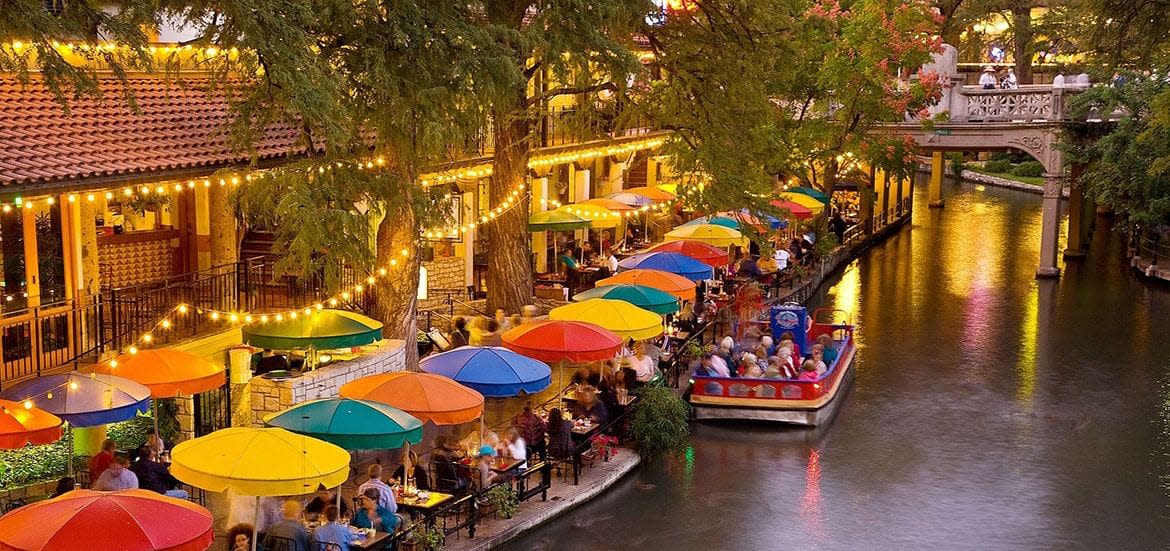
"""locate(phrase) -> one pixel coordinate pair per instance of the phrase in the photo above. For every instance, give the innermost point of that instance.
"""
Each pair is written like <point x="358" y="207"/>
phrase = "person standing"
<point x="386" y="495"/>
<point x="987" y="80"/>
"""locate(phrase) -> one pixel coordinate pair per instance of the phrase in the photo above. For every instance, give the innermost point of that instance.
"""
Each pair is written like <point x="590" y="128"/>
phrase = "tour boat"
<point x="808" y="403"/>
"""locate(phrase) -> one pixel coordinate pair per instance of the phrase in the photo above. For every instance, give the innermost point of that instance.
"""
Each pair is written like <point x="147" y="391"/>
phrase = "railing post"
<point x="472" y="517"/>
<point x="1057" y="100"/>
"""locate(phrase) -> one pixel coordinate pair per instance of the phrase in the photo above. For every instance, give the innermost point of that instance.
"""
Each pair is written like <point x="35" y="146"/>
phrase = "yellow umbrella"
<point x="711" y="234"/>
<point x="811" y="203"/>
<point x="618" y="316"/>
<point x="600" y="216"/>
<point x="259" y="462"/>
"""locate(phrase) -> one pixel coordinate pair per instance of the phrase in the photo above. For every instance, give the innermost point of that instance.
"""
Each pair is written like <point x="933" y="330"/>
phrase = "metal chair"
<point x="324" y="546"/>
<point x="277" y="543"/>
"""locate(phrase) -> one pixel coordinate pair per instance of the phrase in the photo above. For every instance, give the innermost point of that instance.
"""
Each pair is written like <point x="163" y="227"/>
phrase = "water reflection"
<point x="990" y="410"/>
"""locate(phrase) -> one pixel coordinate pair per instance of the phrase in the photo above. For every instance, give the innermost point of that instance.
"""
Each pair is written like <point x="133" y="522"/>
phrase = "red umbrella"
<point x="707" y="254"/>
<point x="115" y="521"/>
<point x="798" y="211"/>
<point x="555" y="341"/>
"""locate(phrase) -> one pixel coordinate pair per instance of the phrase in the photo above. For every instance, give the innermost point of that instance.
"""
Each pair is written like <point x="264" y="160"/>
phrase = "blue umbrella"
<point x="83" y="399"/>
<point x="674" y="263"/>
<point x="493" y="371"/>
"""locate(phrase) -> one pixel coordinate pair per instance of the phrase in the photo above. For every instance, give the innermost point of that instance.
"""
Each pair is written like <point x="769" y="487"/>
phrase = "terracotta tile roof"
<point x="176" y="127"/>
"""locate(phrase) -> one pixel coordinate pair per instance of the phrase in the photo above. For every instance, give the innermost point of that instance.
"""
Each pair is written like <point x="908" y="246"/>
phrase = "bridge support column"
<point x="1077" y="215"/>
<point x="937" y="169"/>
<point x="1050" y="225"/>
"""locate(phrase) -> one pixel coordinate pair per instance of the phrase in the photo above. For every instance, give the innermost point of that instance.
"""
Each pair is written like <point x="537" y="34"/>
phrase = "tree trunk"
<point x="509" y="263"/>
<point x="397" y="295"/>
<point x="1022" y="42"/>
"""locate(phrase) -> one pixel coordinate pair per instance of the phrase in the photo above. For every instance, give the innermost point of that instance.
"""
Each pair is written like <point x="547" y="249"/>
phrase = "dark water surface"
<point x="990" y="411"/>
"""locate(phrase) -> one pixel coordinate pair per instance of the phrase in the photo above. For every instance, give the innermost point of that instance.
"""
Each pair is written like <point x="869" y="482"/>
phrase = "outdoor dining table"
<point x="434" y="499"/>
<point x="507" y="466"/>
<point x="380" y="540"/>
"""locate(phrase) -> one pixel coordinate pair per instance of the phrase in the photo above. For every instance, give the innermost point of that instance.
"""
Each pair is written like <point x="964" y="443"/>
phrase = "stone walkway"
<point x="562" y="497"/>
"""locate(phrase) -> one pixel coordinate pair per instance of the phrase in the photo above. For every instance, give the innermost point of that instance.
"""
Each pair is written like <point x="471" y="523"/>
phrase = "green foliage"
<point x="826" y="243"/>
<point x="503" y="498"/>
<point x="957" y="164"/>
<point x="33" y="464"/>
<point x="141" y="203"/>
<point x="660" y="422"/>
<point x="1029" y="168"/>
<point x="429" y="539"/>
<point x="998" y="166"/>
<point x="1127" y="165"/>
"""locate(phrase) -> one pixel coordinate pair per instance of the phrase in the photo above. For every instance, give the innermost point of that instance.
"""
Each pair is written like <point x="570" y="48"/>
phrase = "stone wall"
<point x="443" y="274"/>
<point x="266" y="396"/>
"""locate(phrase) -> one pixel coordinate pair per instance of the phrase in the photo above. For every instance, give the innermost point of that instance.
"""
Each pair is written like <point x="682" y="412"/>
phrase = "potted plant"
<point x="605" y="446"/>
<point x="504" y="499"/>
<point x="142" y="210"/>
<point x="425" y="539"/>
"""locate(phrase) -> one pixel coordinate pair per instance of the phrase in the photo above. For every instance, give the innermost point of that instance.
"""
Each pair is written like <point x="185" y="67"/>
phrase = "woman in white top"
<point x="642" y="364"/>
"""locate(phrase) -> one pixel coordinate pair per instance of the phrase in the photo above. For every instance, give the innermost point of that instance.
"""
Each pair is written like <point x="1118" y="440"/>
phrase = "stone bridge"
<point x="1027" y="119"/>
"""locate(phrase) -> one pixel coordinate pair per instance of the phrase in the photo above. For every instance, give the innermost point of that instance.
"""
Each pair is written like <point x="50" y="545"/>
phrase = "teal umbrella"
<point x="646" y="298"/>
<point x="351" y="424"/>
<point x="718" y="220"/>
<point x="322" y="329"/>
<point x="819" y="196"/>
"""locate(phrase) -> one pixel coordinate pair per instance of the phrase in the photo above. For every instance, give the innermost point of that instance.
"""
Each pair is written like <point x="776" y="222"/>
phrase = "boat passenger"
<point x="768" y="344"/>
<point x="719" y="366"/>
<point x="749" y="367"/>
<point x="791" y="339"/>
<point x="787" y="362"/>
<point x="775" y="368"/>
<point x="818" y="359"/>
<point x="830" y="348"/>
<point x="808" y="371"/>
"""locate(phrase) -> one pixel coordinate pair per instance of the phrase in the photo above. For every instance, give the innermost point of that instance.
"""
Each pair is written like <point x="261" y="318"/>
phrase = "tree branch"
<point x="567" y="91"/>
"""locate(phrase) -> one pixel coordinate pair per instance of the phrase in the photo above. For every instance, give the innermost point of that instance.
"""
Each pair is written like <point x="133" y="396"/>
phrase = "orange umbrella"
<point x="676" y="285"/>
<point x="113" y="521"/>
<point x="20" y="425"/>
<point x="607" y="203"/>
<point x="428" y="397"/>
<point x="166" y="372"/>
<point x="651" y="193"/>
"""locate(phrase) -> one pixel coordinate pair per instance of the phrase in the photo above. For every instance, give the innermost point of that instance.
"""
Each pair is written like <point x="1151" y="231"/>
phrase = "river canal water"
<point x="990" y="411"/>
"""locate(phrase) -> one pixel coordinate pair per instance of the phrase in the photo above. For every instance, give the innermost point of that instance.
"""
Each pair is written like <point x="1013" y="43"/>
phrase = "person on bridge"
<point x="987" y="80"/>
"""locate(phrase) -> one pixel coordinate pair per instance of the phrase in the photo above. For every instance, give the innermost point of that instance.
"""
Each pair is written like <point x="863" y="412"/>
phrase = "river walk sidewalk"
<point x="562" y="497"/>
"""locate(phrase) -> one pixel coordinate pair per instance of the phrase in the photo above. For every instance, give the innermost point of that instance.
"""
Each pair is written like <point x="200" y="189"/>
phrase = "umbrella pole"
<point x="256" y="524"/>
<point x="69" y="452"/>
<point x="154" y="409"/>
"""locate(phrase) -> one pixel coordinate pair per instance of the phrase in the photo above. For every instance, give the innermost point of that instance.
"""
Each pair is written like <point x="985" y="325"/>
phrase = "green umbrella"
<point x="646" y="298"/>
<point x="350" y="424"/>
<point x="819" y="196"/>
<point x="556" y="220"/>
<point x="323" y="330"/>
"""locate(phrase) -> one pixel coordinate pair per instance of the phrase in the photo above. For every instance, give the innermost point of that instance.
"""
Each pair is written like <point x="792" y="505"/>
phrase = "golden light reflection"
<point x="846" y="293"/>
<point x="1029" y="330"/>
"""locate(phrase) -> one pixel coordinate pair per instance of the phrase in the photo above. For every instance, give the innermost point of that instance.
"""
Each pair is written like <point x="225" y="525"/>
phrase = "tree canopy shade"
<point x="796" y="90"/>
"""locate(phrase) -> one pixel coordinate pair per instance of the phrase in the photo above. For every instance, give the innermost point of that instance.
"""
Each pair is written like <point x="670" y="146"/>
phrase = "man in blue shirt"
<point x="289" y="527"/>
<point x="332" y="531"/>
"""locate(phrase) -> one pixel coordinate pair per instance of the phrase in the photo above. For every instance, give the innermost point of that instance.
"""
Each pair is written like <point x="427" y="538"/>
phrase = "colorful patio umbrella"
<point x="555" y="341"/>
<point x="707" y="254"/>
<point x="167" y="372"/>
<point x="83" y="399"/>
<point x="759" y="220"/>
<point x="667" y="261"/>
<point x="646" y="298"/>
<point x="427" y="397"/>
<point x="815" y="194"/>
<point x="493" y="371"/>
<point x="622" y="318"/>
<point x="718" y="220"/>
<point x="556" y="220"/>
<point x="350" y="424"/>
<point x="653" y="193"/>
<point x="676" y="285"/>
<point x="598" y="217"/>
<point x="115" y="521"/>
<point x="606" y="202"/>
<point x="322" y="329"/>
<point x="631" y="199"/>
<point x="20" y="425"/>
<point x="259" y="462"/>
<point x="804" y="200"/>
<point x="797" y="210"/>
<point x="711" y="234"/>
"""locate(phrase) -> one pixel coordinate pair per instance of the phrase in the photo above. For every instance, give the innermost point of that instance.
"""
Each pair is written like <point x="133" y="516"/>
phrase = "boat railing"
<point x="778" y="389"/>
